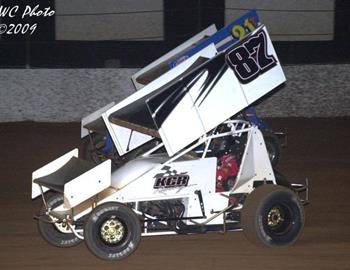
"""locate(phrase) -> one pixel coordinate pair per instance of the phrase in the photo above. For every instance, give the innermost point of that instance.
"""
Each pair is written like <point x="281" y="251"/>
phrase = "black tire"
<point x="273" y="147"/>
<point x="272" y="215"/>
<point x="50" y="232"/>
<point x="112" y="231"/>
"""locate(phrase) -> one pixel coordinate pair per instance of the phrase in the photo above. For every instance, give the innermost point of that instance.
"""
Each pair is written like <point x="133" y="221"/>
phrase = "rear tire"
<point x="273" y="147"/>
<point x="112" y="231"/>
<point x="52" y="233"/>
<point x="272" y="215"/>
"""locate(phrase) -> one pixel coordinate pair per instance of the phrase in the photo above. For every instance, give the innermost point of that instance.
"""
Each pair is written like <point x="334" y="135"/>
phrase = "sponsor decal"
<point x="170" y="179"/>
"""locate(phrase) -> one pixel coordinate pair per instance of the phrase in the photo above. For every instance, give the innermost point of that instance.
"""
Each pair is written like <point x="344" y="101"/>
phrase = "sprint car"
<point x="98" y="145"/>
<point x="198" y="168"/>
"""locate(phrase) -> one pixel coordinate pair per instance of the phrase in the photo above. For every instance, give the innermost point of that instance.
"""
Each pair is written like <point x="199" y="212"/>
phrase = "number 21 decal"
<point x="251" y="59"/>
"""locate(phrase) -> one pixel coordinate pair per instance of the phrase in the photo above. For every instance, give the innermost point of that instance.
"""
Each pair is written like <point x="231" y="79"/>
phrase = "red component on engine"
<point x="227" y="169"/>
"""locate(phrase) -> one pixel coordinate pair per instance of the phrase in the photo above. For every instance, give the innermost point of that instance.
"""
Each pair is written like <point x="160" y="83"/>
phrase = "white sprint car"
<point x="203" y="170"/>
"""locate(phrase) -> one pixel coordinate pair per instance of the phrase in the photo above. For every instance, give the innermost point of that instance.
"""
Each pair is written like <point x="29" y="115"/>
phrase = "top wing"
<point x="189" y="105"/>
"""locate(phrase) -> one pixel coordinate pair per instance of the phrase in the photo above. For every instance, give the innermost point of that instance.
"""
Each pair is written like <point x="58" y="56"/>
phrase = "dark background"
<point x="182" y="19"/>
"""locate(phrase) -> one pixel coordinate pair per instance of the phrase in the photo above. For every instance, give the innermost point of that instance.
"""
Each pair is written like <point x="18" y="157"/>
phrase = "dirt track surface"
<point x="317" y="148"/>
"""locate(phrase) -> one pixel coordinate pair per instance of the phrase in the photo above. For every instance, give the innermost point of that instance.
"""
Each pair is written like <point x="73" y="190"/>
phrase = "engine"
<point x="162" y="214"/>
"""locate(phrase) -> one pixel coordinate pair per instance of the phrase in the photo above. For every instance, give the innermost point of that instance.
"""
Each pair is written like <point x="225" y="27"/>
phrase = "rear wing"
<point x="193" y="98"/>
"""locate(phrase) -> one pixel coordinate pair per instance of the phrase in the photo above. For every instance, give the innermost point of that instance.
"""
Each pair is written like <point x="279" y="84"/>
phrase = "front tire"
<point x="112" y="231"/>
<point x="57" y="234"/>
<point x="272" y="215"/>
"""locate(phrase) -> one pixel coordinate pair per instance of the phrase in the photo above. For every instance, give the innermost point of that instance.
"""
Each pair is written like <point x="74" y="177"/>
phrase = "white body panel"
<point x="88" y="184"/>
<point x="256" y="165"/>
<point x="50" y="168"/>
<point x="133" y="170"/>
<point x="80" y="188"/>
<point x="202" y="177"/>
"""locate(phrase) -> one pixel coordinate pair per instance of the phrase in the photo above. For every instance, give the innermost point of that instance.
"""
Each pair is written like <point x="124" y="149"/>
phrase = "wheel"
<point x="112" y="231"/>
<point x="273" y="147"/>
<point x="57" y="234"/>
<point x="272" y="215"/>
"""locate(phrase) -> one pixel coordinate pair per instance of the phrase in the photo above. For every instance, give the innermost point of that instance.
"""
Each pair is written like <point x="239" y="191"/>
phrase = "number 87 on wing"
<point x="251" y="58"/>
<point x="254" y="63"/>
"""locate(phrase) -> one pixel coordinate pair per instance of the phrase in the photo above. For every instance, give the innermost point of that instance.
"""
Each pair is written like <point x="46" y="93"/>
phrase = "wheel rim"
<point x="112" y="231"/>
<point x="274" y="217"/>
<point x="279" y="219"/>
